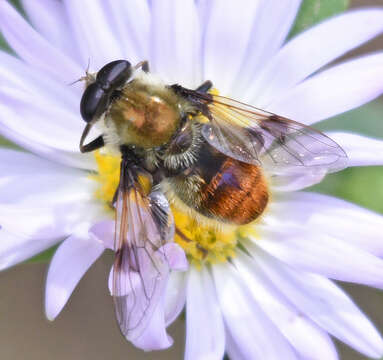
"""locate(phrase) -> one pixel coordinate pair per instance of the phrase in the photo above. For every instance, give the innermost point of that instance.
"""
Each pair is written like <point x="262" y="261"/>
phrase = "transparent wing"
<point x="281" y="145"/>
<point x="144" y="224"/>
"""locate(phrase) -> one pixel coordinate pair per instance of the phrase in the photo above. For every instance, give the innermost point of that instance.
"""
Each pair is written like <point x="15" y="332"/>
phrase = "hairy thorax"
<point x="144" y="116"/>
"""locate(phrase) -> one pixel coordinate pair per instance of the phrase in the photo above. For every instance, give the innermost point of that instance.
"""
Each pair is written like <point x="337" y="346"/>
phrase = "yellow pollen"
<point x="202" y="243"/>
<point x="214" y="91"/>
<point x="108" y="176"/>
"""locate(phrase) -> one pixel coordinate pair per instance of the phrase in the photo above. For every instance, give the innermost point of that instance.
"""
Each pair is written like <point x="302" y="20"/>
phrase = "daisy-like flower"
<point x="263" y="291"/>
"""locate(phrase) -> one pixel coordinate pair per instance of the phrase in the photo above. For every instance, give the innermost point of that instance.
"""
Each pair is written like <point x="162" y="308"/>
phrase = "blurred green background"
<point x="86" y="328"/>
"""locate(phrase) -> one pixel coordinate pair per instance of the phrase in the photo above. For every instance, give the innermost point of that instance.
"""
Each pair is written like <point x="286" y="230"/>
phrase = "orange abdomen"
<point x="236" y="194"/>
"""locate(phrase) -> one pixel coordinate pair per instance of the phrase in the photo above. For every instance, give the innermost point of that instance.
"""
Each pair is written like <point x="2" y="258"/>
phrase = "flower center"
<point x="202" y="242"/>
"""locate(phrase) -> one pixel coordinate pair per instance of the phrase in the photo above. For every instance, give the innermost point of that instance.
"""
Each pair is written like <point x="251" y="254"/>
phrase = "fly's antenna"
<point x="78" y="80"/>
<point x="87" y="68"/>
<point x="88" y="78"/>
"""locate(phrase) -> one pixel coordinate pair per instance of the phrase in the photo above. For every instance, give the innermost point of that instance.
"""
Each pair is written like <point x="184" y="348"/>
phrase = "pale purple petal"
<point x="252" y="331"/>
<point x="140" y="300"/>
<point x="14" y="249"/>
<point x="205" y="335"/>
<point x="132" y="23"/>
<point x="223" y="49"/>
<point x="174" y="256"/>
<point x="175" y="42"/>
<point x="308" y="340"/>
<point x="311" y="50"/>
<point x="361" y="150"/>
<point x="331" y="92"/>
<point x="133" y="284"/>
<point x="155" y="336"/>
<point x="265" y="40"/>
<point x="104" y="231"/>
<point x="147" y="324"/>
<point x="328" y="215"/>
<point x="69" y="264"/>
<point x="49" y="18"/>
<point x="323" y="302"/>
<point x="232" y="349"/>
<point x="97" y="42"/>
<point x="33" y="48"/>
<point x="175" y="296"/>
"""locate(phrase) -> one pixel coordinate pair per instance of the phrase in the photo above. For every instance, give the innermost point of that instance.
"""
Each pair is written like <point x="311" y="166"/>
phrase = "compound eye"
<point x="94" y="102"/>
<point x="115" y="74"/>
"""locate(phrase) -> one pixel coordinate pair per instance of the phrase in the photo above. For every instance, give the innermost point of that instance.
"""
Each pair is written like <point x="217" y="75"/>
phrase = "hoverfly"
<point x="207" y="153"/>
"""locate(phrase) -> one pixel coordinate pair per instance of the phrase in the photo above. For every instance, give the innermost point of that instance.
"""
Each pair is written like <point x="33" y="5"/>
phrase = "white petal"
<point x="70" y="262"/>
<point x="49" y="19"/>
<point x="97" y="42"/>
<point x="321" y="254"/>
<point x="333" y="91"/>
<point x="56" y="220"/>
<point x="40" y="120"/>
<point x="270" y="28"/>
<point x="302" y="56"/>
<point x="331" y="216"/>
<point x="223" y="49"/>
<point x="18" y="74"/>
<point x="287" y="183"/>
<point x="361" y="150"/>
<point x="34" y="49"/>
<point x="26" y="179"/>
<point x="14" y="163"/>
<point x="175" y="42"/>
<point x="175" y="296"/>
<point x="48" y="200"/>
<point x="322" y="301"/>
<point x="203" y="11"/>
<point x="309" y="341"/>
<point x="76" y="160"/>
<point x="132" y="22"/>
<point x="252" y="331"/>
<point x="15" y="249"/>
<point x="205" y="336"/>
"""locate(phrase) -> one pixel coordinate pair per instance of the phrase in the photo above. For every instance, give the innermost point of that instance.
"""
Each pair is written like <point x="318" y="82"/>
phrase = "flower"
<point x="274" y="299"/>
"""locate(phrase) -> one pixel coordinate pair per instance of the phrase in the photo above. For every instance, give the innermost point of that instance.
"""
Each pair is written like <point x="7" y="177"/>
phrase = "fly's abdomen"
<point x="237" y="193"/>
<point x="223" y="188"/>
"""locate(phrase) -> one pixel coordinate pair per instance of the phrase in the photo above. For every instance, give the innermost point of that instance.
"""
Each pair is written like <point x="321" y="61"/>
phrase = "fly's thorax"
<point x="144" y="114"/>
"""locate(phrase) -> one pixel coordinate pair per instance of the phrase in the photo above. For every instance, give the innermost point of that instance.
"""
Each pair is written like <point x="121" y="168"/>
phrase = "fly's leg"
<point x="95" y="144"/>
<point x="205" y="86"/>
<point x="144" y="65"/>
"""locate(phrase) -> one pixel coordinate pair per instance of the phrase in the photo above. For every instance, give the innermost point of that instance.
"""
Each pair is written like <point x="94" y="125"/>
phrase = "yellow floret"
<point x="203" y="243"/>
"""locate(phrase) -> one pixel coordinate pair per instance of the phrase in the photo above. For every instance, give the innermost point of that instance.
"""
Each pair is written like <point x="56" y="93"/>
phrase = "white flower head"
<point x="264" y="291"/>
